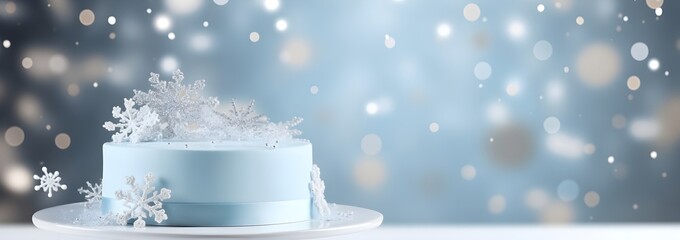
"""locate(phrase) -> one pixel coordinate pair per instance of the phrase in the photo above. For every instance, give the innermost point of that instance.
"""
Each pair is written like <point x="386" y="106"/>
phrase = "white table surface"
<point x="448" y="232"/>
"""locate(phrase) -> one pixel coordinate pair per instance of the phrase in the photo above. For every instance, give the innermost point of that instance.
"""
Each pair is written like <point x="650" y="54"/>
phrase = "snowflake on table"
<point x="181" y="107"/>
<point x="93" y="195"/>
<point x="49" y="182"/>
<point x="135" y="124"/>
<point x="317" y="187"/>
<point x="142" y="202"/>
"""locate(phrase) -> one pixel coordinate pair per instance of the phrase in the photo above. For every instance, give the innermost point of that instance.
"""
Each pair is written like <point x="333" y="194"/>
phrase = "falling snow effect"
<point x="142" y="202"/>
<point x="49" y="182"/>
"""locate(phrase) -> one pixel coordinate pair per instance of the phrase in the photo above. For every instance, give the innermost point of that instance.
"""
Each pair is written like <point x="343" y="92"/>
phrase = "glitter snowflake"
<point x="243" y="123"/>
<point x="49" y="182"/>
<point x="317" y="187"/>
<point x="182" y="107"/>
<point x="142" y="202"/>
<point x="135" y="124"/>
<point x="93" y="195"/>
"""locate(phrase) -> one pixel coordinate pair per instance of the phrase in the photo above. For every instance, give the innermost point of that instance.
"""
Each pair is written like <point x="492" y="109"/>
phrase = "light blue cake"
<point x="217" y="184"/>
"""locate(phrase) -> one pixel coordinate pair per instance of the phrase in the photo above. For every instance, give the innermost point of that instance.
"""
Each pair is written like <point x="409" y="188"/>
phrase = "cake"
<point x="213" y="168"/>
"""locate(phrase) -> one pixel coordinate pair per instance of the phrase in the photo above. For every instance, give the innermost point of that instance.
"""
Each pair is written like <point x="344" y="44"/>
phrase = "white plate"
<point x="62" y="218"/>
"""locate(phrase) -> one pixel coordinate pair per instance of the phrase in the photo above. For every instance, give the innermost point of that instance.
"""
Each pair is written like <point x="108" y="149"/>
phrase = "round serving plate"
<point x="68" y="219"/>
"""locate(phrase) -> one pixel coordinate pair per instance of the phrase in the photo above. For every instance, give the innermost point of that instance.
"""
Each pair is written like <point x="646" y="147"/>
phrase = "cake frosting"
<point x="217" y="184"/>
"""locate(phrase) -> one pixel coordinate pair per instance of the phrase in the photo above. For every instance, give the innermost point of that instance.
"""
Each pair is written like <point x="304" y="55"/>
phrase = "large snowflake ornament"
<point x="49" y="182"/>
<point x="135" y="125"/>
<point x="142" y="202"/>
<point x="182" y="107"/>
<point x="93" y="194"/>
<point x="177" y="111"/>
<point x="317" y="188"/>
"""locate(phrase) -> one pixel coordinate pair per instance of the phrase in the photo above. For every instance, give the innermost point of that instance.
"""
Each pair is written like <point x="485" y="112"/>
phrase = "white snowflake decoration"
<point x="142" y="202"/>
<point x="242" y="123"/>
<point x="135" y="124"/>
<point x="181" y="107"/>
<point x="317" y="187"/>
<point x="172" y="110"/>
<point x="93" y="195"/>
<point x="49" y="182"/>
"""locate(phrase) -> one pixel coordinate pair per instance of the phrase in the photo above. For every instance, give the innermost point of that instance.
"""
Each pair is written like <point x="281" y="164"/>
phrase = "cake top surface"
<point x="174" y="111"/>
<point x="212" y="145"/>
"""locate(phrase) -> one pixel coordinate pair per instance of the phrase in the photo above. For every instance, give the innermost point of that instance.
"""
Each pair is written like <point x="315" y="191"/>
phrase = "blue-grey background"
<point x="408" y="130"/>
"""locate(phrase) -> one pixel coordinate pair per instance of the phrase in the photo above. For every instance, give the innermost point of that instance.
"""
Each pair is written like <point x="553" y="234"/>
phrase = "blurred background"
<point x="479" y="111"/>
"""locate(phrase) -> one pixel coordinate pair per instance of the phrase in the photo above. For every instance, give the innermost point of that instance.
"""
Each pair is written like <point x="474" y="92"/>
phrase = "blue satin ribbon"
<point x="225" y="214"/>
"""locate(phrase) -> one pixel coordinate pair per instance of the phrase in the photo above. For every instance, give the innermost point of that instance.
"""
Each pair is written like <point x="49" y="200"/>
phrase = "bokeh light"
<point x="471" y="12"/>
<point x="543" y="50"/>
<point x="653" y="64"/>
<point x="536" y="199"/>
<point x="633" y="83"/>
<point x="598" y="64"/>
<point x="162" y="23"/>
<point x="516" y="29"/>
<point x="14" y="136"/>
<point x="567" y="190"/>
<point x="254" y="37"/>
<point x="281" y="25"/>
<point x="482" y="70"/>
<point x="580" y="20"/>
<point x="271" y="5"/>
<point x="62" y="141"/>
<point x="370" y="173"/>
<point x="17" y="179"/>
<point x="389" y="41"/>
<point x="551" y="125"/>
<point x="86" y="17"/>
<point x="468" y="172"/>
<point x="443" y="30"/>
<point x="639" y="51"/>
<point x="371" y="144"/>
<point x="434" y="127"/>
<point x="512" y="145"/>
<point x="183" y="7"/>
<point x="496" y="204"/>
<point x="220" y="2"/>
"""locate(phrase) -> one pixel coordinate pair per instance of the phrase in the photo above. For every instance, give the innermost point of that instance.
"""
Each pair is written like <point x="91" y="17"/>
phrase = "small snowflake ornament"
<point x="49" y="182"/>
<point x="93" y="195"/>
<point x="142" y="202"/>
<point x="317" y="188"/>
<point x="135" y="124"/>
